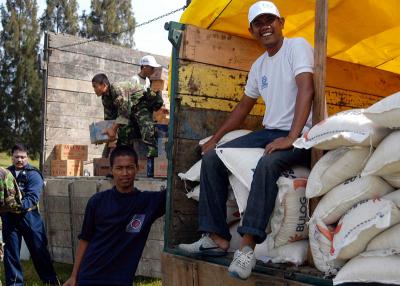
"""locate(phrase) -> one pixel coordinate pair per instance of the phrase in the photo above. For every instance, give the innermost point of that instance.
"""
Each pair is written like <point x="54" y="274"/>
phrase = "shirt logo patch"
<point x="135" y="225"/>
<point x="264" y="82"/>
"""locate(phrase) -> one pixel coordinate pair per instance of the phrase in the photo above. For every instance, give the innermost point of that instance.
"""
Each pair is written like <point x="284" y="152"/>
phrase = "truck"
<point x="211" y="56"/>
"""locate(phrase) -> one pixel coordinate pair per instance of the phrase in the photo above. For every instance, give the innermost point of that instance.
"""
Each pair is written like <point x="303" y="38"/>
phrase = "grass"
<point x="5" y="160"/>
<point x="63" y="271"/>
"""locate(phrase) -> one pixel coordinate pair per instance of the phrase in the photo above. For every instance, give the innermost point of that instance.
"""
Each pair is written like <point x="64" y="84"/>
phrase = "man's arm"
<point x="305" y="95"/>
<point x="80" y="252"/>
<point x="234" y="120"/>
<point x="32" y="190"/>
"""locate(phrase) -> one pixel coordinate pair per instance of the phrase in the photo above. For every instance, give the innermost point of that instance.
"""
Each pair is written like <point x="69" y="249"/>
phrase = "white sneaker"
<point x="204" y="246"/>
<point x="243" y="263"/>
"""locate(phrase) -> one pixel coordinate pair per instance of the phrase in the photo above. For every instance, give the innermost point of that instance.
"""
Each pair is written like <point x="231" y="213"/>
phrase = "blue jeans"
<point x="214" y="184"/>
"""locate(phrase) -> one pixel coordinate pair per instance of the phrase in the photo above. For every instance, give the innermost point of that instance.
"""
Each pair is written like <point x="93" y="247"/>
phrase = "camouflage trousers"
<point x="141" y="126"/>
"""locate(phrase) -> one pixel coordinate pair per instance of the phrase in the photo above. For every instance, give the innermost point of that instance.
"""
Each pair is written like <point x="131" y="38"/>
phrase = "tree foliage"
<point x="108" y="21"/>
<point x="60" y="16"/>
<point x="20" y="85"/>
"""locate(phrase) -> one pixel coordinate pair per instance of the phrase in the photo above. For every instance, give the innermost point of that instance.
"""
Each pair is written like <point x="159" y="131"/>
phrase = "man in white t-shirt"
<point x="283" y="77"/>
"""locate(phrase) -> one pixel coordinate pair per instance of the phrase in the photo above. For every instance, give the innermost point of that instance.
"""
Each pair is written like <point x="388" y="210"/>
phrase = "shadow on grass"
<point x="63" y="271"/>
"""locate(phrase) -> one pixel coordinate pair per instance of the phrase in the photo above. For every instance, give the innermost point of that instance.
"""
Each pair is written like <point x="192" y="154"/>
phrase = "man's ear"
<point x="250" y="29"/>
<point x="282" y="21"/>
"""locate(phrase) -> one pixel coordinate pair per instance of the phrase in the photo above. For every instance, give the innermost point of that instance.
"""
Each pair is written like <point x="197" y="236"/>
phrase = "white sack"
<point x="385" y="112"/>
<point x="393" y="180"/>
<point x="389" y="239"/>
<point x="394" y="197"/>
<point x="341" y="198"/>
<point x="321" y="237"/>
<point x="334" y="168"/>
<point x="194" y="194"/>
<point x="240" y="191"/>
<point x="370" y="269"/>
<point x="295" y="252"/>
<point x="386" y="158"/>
<point x="227" y="137"/>
<point x="193" y="174"/>
<point x="242" y="162"/>
<point x="360" y="224"/>
<point x="289" y="218"/>
<point x="346" y="128"/>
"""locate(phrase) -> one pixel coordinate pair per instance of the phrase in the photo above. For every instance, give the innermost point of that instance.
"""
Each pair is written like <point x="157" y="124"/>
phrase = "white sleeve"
<point x="302" y="57"/>
<point x="251" y="88"/>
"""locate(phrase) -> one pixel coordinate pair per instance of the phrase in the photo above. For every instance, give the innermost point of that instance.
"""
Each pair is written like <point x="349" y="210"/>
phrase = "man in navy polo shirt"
<point x="115" y="227"/>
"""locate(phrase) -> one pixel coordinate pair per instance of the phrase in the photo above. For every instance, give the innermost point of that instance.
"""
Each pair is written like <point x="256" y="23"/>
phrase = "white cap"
<point x="262" y="7"/>
<point x="149" y="61"/>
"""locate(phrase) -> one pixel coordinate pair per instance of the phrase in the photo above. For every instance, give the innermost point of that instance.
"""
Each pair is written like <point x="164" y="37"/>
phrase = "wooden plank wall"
<point x="63" y="206"/>
<point x="212" y="73"/>
<point x="71" y="104"/>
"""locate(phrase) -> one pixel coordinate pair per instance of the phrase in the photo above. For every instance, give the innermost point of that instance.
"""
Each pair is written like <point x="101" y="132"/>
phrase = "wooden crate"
<point x="159" y="84"/>
<point x="101" y="166"/>
<point x="66" y="168"/>
<point x="71" y="152"/>
<point x="159" y="73"/>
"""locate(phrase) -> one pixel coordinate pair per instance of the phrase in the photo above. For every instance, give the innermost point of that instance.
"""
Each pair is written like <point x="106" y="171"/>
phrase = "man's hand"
<point x="208" y="146"/>
<point x="111" y="133"/>
<point x="280" y="143"/>
<point x="70" y="282"/>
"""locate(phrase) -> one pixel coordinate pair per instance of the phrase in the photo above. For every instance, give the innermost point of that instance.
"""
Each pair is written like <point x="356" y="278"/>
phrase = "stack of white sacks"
<point x="354" y="230"/>
<point x="287" y="230"/>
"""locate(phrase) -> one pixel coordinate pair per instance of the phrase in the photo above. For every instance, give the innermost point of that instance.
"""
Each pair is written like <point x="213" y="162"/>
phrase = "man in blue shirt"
<point x="115" y="228"/>
<point x="26" y="223"/>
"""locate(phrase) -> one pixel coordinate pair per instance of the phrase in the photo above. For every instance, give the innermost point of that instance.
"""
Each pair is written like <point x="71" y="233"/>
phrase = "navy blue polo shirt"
<point x="117" y="225"/>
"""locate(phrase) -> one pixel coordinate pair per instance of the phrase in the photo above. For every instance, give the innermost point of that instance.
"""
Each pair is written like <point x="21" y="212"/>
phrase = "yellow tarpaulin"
<point x="366" y="32"/>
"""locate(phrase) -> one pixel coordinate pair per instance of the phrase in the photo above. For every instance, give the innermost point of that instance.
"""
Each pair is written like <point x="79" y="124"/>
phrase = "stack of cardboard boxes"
<point x="159" y="82"/>
<point x="69" y="160"/>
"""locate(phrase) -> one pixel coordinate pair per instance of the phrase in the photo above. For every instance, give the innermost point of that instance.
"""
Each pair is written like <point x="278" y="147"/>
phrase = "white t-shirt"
<point x="273" y="78"/>
<point x="143" y="83"/>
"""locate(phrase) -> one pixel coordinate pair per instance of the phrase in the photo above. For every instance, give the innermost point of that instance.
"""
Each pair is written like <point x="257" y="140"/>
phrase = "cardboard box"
<point x="71" y="152"/>
<point x="142" y="170"/>
<point x="161" y="146"/>
<point x="101" y="166"/>
<point x="160" y="167"/>
<point x="66" y="168"/>
<point x="97" y="129"/>
<point x="159" y="73"/>
<point x="159" y="84"/>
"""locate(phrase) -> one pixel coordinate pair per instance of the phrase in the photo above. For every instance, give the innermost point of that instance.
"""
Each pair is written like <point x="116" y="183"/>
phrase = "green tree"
<point x="110" y="21"/>
<point x="19" y="81"/>
<point x="60" y="16"/>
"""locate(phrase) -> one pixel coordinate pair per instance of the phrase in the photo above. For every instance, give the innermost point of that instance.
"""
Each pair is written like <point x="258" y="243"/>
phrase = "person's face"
<point x="99" y="88"/>
<point x="267" y="30"/>
<point x="124" y="171"/>
<point x="19" y="159"/>
<point x="147" y="71"/>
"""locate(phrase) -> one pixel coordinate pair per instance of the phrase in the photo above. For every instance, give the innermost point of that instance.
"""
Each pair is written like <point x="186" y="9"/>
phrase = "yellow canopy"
<point x="366" y="32"/>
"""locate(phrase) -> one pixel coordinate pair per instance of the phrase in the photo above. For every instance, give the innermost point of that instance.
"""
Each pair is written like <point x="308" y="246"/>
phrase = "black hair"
<point x="18" y="147"/>
<point x="123" y="150"/>
<point x="101" y="78"/>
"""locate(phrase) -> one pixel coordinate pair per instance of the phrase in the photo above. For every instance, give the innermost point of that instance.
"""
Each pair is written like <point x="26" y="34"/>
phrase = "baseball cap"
<point x="262" y="7"/>
<point x="149" y="61"/>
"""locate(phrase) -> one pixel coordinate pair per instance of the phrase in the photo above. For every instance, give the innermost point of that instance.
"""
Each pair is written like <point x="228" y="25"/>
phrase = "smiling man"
<point x="283" y="77"/>
<point x="115" y="228"/>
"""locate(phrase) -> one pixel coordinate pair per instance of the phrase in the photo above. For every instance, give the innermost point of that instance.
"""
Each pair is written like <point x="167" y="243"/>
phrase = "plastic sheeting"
<point x="366" y="32"/>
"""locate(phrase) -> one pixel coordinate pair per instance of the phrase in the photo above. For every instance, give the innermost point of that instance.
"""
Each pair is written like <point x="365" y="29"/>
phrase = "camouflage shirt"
<point x="122" y="98"/>
<point x="10" y="195"/>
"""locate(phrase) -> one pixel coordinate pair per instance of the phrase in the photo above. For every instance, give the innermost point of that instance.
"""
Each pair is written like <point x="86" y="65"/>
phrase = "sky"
<point x="151" y="38"/>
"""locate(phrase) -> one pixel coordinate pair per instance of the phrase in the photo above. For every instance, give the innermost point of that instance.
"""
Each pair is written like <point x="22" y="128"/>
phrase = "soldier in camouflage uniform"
<point x="131" y="105"/>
